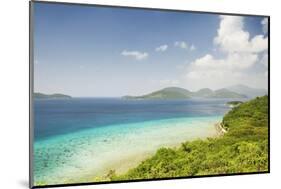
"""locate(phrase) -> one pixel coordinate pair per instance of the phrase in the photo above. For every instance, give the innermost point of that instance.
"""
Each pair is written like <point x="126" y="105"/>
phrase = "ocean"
<point x="81" y="139"/>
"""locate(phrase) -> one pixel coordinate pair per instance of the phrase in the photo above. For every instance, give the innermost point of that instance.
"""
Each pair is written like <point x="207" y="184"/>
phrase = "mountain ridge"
<point x="181" y="93"/>
<point x="248" y="91"/>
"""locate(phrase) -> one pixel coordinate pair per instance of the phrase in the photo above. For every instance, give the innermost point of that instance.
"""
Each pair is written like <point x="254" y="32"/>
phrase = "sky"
<point x="87" y="51"/>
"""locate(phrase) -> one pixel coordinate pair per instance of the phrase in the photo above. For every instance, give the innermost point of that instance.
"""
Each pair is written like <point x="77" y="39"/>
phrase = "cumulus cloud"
<point x="169" y="82"/>
<point x="264" y="59"/>
<point x="181" y="44"/>
<point x="264" y="23"/>
<point x="135" y="54"/>
<point x="184" y="45"/>
<point x="192" y="48"/>
<point x="161" y="48"/>
<point x="239" y="55"/>
<point x="233" y="61"/>
<point x="231" y="37"/>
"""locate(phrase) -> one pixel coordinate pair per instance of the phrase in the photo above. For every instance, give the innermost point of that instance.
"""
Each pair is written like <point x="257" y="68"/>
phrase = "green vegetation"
<point x="235" y="103"/>
<point x="244" y="148"/>
<point x="52" y="96"/>
<point x="221" y="93"/>
<point x="166" y="93"/>
<point x="205" y="92"/>
<point x="225" y="93"/>
<point x="180" y="93"/>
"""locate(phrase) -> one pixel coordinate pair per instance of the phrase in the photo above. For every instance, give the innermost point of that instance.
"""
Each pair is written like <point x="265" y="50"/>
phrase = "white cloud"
<point x="264" y="60"/>
<point x="233" y="38"/>
<point x="192" y="48"/>
<point x="161" y="48"/>
<point x="181" y="44"/>
<point x="184" y="45"/>
<point x="264" y="24"/>
<point x="169" y="82"/>
<point x="236" y="65"/>
<point x="135" y="54"/>
<point x="233" y="61"/>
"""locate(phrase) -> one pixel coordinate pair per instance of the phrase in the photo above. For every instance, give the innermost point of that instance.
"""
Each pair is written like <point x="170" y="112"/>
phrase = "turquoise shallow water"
<point x="79" y="139"/>
<point x="83" y="155"/>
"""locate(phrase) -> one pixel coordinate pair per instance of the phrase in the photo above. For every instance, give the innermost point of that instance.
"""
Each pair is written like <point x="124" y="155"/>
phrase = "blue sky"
<point x="95" y="51"/>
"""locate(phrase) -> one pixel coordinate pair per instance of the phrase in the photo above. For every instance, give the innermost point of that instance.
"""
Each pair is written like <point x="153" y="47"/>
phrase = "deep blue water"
<point x="56" y="116"/>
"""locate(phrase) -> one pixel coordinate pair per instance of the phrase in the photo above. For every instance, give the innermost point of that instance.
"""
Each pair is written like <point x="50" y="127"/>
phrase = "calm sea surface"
<point x="81" y="138"/>
<point x="57" y="117"/>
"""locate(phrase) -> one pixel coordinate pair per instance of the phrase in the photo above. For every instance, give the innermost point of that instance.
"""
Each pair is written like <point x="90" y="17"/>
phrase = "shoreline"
<point x="132" y="155"/>
<point x="125" y="149"/>
<point x="219" y="128"/>
<point x="133" y="161"/>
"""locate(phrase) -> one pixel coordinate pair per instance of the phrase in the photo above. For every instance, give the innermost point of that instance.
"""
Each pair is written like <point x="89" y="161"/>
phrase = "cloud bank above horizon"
<point x="240" y="57"/>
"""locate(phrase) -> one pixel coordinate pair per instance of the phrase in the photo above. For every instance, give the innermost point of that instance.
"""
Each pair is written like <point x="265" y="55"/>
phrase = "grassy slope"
<point x="244" y="148"/>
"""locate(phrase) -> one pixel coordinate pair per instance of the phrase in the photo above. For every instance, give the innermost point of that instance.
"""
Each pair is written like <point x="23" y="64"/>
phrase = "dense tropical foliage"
<point x="244" y="148"/>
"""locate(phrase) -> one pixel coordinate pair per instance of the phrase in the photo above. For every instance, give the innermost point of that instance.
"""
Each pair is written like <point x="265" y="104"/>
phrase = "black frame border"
<point x="31" y="64"/>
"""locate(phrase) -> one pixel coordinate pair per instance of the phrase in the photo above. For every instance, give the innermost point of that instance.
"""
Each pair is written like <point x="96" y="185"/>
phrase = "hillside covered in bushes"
<point x="243" y="148"/>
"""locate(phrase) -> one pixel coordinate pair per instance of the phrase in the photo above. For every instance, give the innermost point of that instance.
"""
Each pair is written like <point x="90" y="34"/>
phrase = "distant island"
<point x="166" y="93"/>
<point x="248" y="91"/>
<point x="51" y="96"/>
<point x="181" y="93"/>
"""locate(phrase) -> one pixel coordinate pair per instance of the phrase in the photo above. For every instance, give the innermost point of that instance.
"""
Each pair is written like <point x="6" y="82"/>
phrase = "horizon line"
<point x="120" y="96"/>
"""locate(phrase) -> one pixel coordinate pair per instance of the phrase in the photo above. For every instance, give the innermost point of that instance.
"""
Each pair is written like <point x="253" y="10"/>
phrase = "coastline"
<point x="126" y="164"/>
<point x="132" y="162"/>
<point x="237" y="151"/>
<point x="94" y="155"/>
<point x="219" y="128"/>
<point x="128" y="146"/>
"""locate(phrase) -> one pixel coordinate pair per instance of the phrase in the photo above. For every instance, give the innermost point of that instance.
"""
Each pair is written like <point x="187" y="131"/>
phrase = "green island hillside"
<point x="166" y="93"/>
<point x="243" y="148"/>
<point x="181" y="93"/>
<point x="51" y="96"/>
<point x="234" y="103"/>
